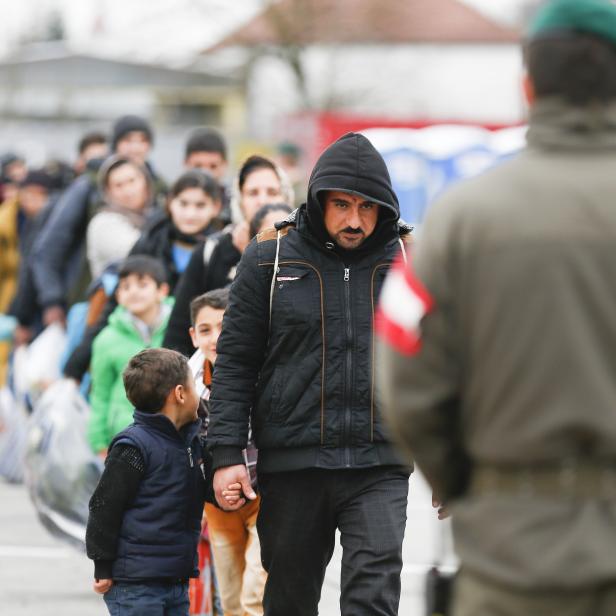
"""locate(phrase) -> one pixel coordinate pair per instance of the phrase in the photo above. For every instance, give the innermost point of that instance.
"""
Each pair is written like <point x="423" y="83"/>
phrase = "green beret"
<point x="596" y="17"/>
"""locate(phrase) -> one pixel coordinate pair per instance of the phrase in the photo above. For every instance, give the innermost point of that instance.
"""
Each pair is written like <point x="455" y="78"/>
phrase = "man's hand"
<point x="224" y="480"/>
<point x="442" y="512"/>
<point x="102" y="586"/>
<point x="54" y="314"/>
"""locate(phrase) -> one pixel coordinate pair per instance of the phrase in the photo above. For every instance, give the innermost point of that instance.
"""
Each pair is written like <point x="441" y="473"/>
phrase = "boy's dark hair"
<point x="151" y="375"/>
<point x="143" y="265"/>
<point x="217" y="299"/>
<point x="196" y="178"/>
<point x="262" y="212"/>
<point x="94" y="137"/>
<point x="206" y="140"/>
<point x="581" y="68"/>
<point x="252" y="163"/>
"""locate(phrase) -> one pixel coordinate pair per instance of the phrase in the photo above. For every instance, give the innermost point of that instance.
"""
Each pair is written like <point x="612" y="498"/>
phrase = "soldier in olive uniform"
<point x="498" y="370"/>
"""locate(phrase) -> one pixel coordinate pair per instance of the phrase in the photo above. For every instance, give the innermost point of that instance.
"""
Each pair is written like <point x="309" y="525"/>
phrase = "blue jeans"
<point x="147" y="599"/>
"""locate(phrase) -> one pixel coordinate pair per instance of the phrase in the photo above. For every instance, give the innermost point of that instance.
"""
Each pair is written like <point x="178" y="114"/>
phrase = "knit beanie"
<point x="128" y="124"/>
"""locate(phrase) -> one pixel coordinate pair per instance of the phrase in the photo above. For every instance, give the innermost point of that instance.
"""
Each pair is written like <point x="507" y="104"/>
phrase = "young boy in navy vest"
<point x="145" y="514"/>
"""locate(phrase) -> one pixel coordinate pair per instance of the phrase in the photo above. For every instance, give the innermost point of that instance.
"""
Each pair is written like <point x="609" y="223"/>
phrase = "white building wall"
<point x="477" y="83"/>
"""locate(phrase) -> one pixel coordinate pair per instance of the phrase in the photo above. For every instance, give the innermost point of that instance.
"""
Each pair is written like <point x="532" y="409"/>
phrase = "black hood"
<point x="353" y="165"/>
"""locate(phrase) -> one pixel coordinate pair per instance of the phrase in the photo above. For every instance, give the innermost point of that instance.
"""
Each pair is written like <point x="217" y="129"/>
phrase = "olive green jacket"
<point x="517" y="366"/>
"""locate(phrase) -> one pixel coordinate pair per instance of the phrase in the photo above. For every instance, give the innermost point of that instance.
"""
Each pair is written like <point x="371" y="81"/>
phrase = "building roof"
<point x="306" y="22"/>
<point x="54" y="65"/>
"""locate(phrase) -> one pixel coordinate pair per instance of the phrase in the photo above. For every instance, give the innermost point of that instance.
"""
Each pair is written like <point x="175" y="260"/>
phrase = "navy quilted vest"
<point x="161" y="527"/>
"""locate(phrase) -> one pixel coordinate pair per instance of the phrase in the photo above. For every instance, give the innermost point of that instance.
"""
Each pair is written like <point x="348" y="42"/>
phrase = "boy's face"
<point x="206" y="331"/>
<point x="190" y="404"/>
<point x="140" y="294"/>
<point x="134" y="145"/>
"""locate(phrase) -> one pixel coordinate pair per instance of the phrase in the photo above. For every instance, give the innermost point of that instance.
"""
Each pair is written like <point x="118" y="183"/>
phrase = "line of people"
<point x="289" y="369"/>
<point x="118" y="258"/>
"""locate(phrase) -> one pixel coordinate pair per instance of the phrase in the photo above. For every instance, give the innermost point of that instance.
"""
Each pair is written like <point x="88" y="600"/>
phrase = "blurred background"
<point x="435" y="85"/>
<point x="264" y="72"/>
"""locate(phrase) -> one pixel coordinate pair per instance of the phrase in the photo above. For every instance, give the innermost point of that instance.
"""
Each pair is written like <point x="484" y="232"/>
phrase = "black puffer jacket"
<point x="211" y="266"/>
<point x="156" y="241"/>
<point x="309" y="383"/>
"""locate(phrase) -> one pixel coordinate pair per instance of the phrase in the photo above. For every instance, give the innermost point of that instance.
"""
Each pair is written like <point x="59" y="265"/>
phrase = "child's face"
<point x="193" y="210"/>
<point x="206" y="331"/>
<point x="140" y="294"/>
<point x="191" y="401"/>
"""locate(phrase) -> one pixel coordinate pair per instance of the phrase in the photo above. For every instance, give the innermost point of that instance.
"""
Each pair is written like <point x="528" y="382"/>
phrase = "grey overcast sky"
<point x="184" y="21"/>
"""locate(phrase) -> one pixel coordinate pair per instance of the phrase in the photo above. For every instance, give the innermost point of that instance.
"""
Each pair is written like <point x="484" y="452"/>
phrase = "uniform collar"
<point x="555" y="124"/>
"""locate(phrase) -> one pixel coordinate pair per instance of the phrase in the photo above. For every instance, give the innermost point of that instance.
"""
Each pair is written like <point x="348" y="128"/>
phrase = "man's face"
<point x="206" y="331"/>
<point x="212" y="162"/>
<point x="90" y="152"/>
<point x="135" y="145"/>
<point x="17" y="171"/>
<point x="349" y="219"/>
<point x="32" y="199"/>
<point x="94" y="151"/>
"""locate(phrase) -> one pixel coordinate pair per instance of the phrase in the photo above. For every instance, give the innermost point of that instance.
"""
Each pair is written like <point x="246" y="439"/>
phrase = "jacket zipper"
<point x="316" y="271"/>
<point x="190" y="457"/>
<point x="373" y="344"/>
<point x="348" y="368"/>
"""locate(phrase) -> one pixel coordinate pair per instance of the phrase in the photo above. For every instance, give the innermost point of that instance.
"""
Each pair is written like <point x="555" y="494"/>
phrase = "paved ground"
<point x="40" y="575"/>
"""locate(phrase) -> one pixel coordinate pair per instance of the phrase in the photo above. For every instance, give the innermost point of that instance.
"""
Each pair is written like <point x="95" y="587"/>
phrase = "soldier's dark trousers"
<point x="300" y="511"/>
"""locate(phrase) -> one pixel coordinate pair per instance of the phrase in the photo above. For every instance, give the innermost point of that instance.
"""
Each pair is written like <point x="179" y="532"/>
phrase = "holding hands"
<point x="232" y="487"/>
<point x="102" y="586"/>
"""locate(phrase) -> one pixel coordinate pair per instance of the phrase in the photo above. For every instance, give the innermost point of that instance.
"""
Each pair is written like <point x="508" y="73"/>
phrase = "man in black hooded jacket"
<point x="295" y="357"/>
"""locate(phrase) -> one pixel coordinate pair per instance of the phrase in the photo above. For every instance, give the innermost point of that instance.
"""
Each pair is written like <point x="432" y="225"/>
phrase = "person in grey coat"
<point x="498" y="371"/>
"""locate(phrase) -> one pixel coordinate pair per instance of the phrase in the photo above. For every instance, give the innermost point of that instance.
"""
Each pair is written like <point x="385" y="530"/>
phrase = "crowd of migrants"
<point x="494" y="369"/>
<point x="124" y="261"/>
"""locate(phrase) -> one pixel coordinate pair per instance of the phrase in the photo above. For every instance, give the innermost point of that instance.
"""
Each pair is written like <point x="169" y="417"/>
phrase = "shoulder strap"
<point x="273" y="284"/>
<point x="208" y="248"/>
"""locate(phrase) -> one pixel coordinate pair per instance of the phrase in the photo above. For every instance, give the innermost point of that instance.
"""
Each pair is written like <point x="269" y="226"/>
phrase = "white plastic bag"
<point x="43" y="360"/>
<point x="13" y="422"/>
<point x="18" y="371"/>
<point x="61" y="469"/>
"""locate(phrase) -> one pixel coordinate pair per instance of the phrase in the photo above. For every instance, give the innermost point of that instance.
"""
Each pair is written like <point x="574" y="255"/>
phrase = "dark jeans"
<point x="148" y="599"/>
<point x="300" y="511"/>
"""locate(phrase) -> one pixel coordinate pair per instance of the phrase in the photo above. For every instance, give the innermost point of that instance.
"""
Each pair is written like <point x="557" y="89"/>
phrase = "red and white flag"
<point x="404" y="302"/>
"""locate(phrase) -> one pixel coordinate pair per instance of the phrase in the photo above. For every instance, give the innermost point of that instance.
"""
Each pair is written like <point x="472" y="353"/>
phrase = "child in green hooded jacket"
<point x="139" y="322"/>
